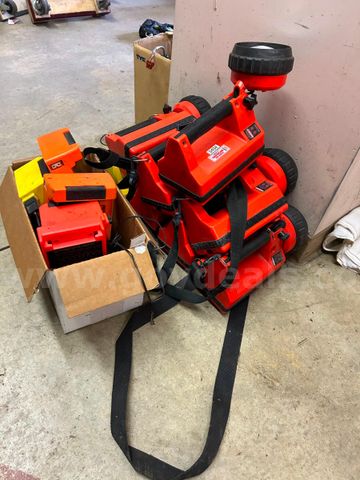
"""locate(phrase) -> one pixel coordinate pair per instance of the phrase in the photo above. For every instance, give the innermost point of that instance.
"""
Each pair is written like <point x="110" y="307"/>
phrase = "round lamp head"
<point x="260" y="65"/>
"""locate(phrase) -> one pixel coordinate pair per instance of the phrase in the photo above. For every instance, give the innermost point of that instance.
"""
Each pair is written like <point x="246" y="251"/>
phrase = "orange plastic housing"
<point x="203" y="167"/>
<point x="81" y="187"/>
<point x="142" y="137"/>
<point x="263" y="83"/>
<point x="59" y="150"/>
<point x="72" y="233"/>
<point x="208" y="227"/>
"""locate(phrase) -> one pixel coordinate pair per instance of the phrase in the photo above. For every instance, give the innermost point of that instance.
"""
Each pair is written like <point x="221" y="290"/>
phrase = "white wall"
<point x="316" y="116"/>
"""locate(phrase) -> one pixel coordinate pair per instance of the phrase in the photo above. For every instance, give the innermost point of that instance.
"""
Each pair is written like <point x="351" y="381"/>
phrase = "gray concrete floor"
<point x="295" y="409"/>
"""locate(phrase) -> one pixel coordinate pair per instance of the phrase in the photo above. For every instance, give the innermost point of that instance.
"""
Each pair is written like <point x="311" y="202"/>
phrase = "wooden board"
<point x="346" y="197"/>
<point x="66" y="9"/>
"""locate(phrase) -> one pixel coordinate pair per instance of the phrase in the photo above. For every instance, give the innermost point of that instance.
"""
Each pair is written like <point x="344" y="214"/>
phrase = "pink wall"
<point x="316" y="116"/>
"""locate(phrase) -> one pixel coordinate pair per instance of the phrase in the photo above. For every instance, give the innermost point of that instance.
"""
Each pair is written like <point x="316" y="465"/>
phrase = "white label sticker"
<point x="216" y="152"/>
<point x="213" y="149"/>
<point x="140" y="249"/>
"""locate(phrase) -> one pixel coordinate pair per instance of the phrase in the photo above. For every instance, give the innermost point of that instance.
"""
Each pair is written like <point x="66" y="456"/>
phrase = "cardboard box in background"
<point x="151" y="86"/>
<point x="87" y="292"/>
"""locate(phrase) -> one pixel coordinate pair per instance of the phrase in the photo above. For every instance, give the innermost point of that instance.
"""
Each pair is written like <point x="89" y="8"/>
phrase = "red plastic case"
<point x="72" y="233"/>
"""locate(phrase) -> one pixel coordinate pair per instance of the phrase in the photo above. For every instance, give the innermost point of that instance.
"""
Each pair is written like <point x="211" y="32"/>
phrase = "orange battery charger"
<point x="81" y="187"/>
<point x="72" y="233"/>
<point x="60" y="151"/>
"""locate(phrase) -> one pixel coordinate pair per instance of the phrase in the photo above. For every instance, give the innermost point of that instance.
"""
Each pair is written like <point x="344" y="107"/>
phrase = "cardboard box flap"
<point x="24" y="246"/>
<point x="126" y="221"/>
<point x="102" y="281"/>
<point x="131" y="226"/>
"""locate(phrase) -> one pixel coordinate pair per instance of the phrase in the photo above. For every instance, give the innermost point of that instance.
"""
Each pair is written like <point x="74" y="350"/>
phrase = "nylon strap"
<point x="108" y="159"/>
<point x="143" y="462"/>
<point x="237" y="207"/>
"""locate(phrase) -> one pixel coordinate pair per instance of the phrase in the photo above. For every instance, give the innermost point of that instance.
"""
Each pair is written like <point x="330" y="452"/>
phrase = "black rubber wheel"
<point x="287" y="164"/>
<point x="261" y="58"/>
<point x="300" y="226"/>
<point x="12" y="7"/>
<point x="200" y="103"/>
<point x="41" y="7"/>
<point x="103" y="4"/>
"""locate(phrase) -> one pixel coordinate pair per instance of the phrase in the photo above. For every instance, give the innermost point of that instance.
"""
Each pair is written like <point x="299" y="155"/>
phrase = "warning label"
<point x="216" y="152"/>
<point x="262" y="187"/>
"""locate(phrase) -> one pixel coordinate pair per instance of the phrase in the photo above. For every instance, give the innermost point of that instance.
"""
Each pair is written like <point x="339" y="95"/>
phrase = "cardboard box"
<point x="151" y="85"/>
<point x="87" y="292"/>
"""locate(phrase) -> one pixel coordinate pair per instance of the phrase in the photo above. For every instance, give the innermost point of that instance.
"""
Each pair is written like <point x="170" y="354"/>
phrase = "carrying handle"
<point x="150" y="62"/>
<point x="198" y="127"/>
<point x="207" y="121"/>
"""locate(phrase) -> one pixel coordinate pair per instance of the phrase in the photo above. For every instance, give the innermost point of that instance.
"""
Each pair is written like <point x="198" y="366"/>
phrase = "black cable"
<point x="117" y="243"/>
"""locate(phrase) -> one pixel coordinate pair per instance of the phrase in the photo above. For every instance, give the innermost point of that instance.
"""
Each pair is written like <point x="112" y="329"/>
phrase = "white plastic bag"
<point x="345" y="240"/>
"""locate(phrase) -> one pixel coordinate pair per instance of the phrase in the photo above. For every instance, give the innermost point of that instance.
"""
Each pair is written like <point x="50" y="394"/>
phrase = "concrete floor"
<point x="296" y="404"/>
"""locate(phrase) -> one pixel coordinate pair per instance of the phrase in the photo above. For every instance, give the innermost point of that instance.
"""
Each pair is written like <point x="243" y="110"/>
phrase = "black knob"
<point x="250" y="101"/>
<point x="167" y="108"/>
<point x="283" y="236"/>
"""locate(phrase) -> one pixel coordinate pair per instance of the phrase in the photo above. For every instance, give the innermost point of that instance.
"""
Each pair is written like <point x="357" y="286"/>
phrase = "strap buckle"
<point x="132" y="177"/>
<point x="177" y="213"/>
<point x="177" y="218"/>
<point x="197" y="273"/>
<point x="211" y="259"/>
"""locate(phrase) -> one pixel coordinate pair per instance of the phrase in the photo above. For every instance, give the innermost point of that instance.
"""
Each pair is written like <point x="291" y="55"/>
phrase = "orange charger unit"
<point x="81" y="187"/>
<point x="60" y="151"/>
<point x="72" y="233"/>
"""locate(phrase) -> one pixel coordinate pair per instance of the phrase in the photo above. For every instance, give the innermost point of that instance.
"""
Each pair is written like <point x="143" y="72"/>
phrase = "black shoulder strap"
<point x="237" y="207"/>
<point x="143" y="462"/>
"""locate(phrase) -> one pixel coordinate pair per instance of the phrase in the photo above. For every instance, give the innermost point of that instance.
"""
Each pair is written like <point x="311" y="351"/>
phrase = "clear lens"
<point x="263" y="47"/>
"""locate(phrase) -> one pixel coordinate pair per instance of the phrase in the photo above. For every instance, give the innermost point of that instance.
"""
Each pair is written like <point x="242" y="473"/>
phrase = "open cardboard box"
<point x="87" y="292"/>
